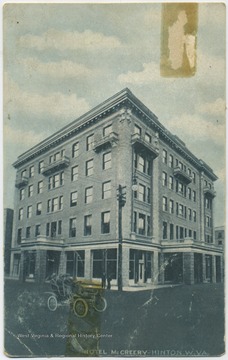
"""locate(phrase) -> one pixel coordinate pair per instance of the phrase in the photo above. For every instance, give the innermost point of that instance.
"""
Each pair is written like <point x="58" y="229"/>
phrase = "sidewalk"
<point x="145" y="287"/>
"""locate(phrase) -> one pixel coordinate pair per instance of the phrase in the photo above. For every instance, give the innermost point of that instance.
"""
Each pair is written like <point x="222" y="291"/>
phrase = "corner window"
<point x="107" y="130"/>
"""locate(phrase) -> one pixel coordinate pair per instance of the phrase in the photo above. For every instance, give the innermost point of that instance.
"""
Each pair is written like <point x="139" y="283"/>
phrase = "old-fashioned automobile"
<point x="80" y="295"/>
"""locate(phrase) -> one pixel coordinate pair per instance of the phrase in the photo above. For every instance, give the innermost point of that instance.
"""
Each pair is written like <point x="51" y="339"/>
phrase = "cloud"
<point x="62" y="69"/>
<point x="66" y="40"/>
<point x="210" y="69"/>
<point x="149" y="74"/>
<point x="21" y="137"/>
<point x="50" y="105"/>
<point x="198" y="128"/>
<point x="216" y="108"/>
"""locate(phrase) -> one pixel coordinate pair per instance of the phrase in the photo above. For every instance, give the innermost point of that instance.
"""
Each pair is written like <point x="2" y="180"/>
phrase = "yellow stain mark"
<point x="178" y="39"/>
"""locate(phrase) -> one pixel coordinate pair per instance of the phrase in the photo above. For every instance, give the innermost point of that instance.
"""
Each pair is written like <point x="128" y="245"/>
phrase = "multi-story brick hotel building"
<point x="66" y="217"/>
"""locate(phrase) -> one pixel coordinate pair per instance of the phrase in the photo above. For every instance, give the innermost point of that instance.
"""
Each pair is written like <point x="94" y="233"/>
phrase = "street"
<point x="175" y="321"/>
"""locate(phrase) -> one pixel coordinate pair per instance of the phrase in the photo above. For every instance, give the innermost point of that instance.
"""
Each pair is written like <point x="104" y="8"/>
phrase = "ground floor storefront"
<point x="141" y="265"/>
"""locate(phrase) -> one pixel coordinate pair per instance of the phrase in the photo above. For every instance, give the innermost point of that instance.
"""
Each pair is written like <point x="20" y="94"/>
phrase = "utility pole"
<point x="121" y="197"/>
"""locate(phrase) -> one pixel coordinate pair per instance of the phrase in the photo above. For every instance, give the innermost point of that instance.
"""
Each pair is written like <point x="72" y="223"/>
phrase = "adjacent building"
<point x="67" y="212"/>
<point x="8" y="228"/>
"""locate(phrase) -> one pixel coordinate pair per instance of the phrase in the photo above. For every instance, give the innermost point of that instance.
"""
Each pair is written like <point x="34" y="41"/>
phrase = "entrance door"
<point x="141" y="271"/>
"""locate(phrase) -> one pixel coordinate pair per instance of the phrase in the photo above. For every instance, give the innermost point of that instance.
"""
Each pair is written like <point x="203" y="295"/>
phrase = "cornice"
<point x="111" y="105"/>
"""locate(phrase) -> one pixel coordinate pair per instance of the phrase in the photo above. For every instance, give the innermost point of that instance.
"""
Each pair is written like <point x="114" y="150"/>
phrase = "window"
<point x="40" y="187"/>
<point x="171" y="183"/>
<point x="22" y="194"/>
<point x="194" y="215"/>
<point x="171" y="231"/>
<point x="205" y="182"/>
<point x="164" y="203"/>
<point x="23" y="173"/>
<point x="89" y="195"/>
<point x="171" y="206"/>
<point x="40" y="167"/>
<point x="181" y="210"/>
<point x="37" y="230"/>
<point x="29" y="211"/>
<point x="148" y="195"/>
<point x="60" y="202"/>
<point x="38" y="208"/>
<point x="207" y="221"/>
<point x="181" y="165"/>
<point x="47" y="229"/>
<point x="164" y="230"/>
<point x="209" y="185"/>
<point x="177" y="232"/>
<point x="180" y="188"/>
<point x="89" y="142"/>
<point x="20" y="214"/>
<point x="106" y="190"/>
<point x="135" y="222"/>
<point x="177" y="162"/>
<point x="53" y="228"/>
<point x="148" y="138"/>
<point x="75" y="150"/>
<point x="107" y="130"/>
<point x="181" y="232"/>
<point x="56" y="180"/>
<point x="189" y="214"/>
<point x="72" y="227"/>
<point x="107" y="161"/>
<point x="105" y="222"/>
<point x="74" y="173"/>
<point x="142" y="192"/>
<point x="141" y="164"/>
<point x="171" y="161"/>
<point x="194" y="235"/>
<point x="28" y="232"/>
<point x="59" y="227"/>
<point x="87" y="225"/>
<point x="142" y="224"/>
<point x="148" y="226"/>
<point x="190" y="233"/>
<point x="189" y="172"/>
<point x="164" y="179"/>
<point x="54" y="204"/>
<point x="189" y="193"/>
<point x="19" y="236"/>
<point x="57" y="156"/>
<point x="30" y="190"/>
<point x="164" y="156"/>
<point x="194" y="195"/>
<point x="89" y="167"/>
<point x="193" y="177"/>
<point x="73" y="198"/>
<point x="137" y="130"/>
<point x="31" y="171"/>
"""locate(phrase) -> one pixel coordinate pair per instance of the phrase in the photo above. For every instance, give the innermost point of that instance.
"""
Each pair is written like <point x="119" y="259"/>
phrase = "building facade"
<point x="67" y="212"/>
<point x="8" y="229"/>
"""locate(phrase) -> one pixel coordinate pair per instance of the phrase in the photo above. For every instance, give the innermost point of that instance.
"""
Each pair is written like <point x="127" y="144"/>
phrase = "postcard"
<point x="114" y="179"/>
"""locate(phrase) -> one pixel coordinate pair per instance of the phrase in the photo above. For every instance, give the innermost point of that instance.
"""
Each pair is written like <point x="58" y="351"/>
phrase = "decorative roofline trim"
<point x="97" y="113"/>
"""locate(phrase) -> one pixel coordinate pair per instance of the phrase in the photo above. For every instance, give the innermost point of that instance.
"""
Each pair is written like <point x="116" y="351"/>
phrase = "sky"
<point x="61" y="60"/>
